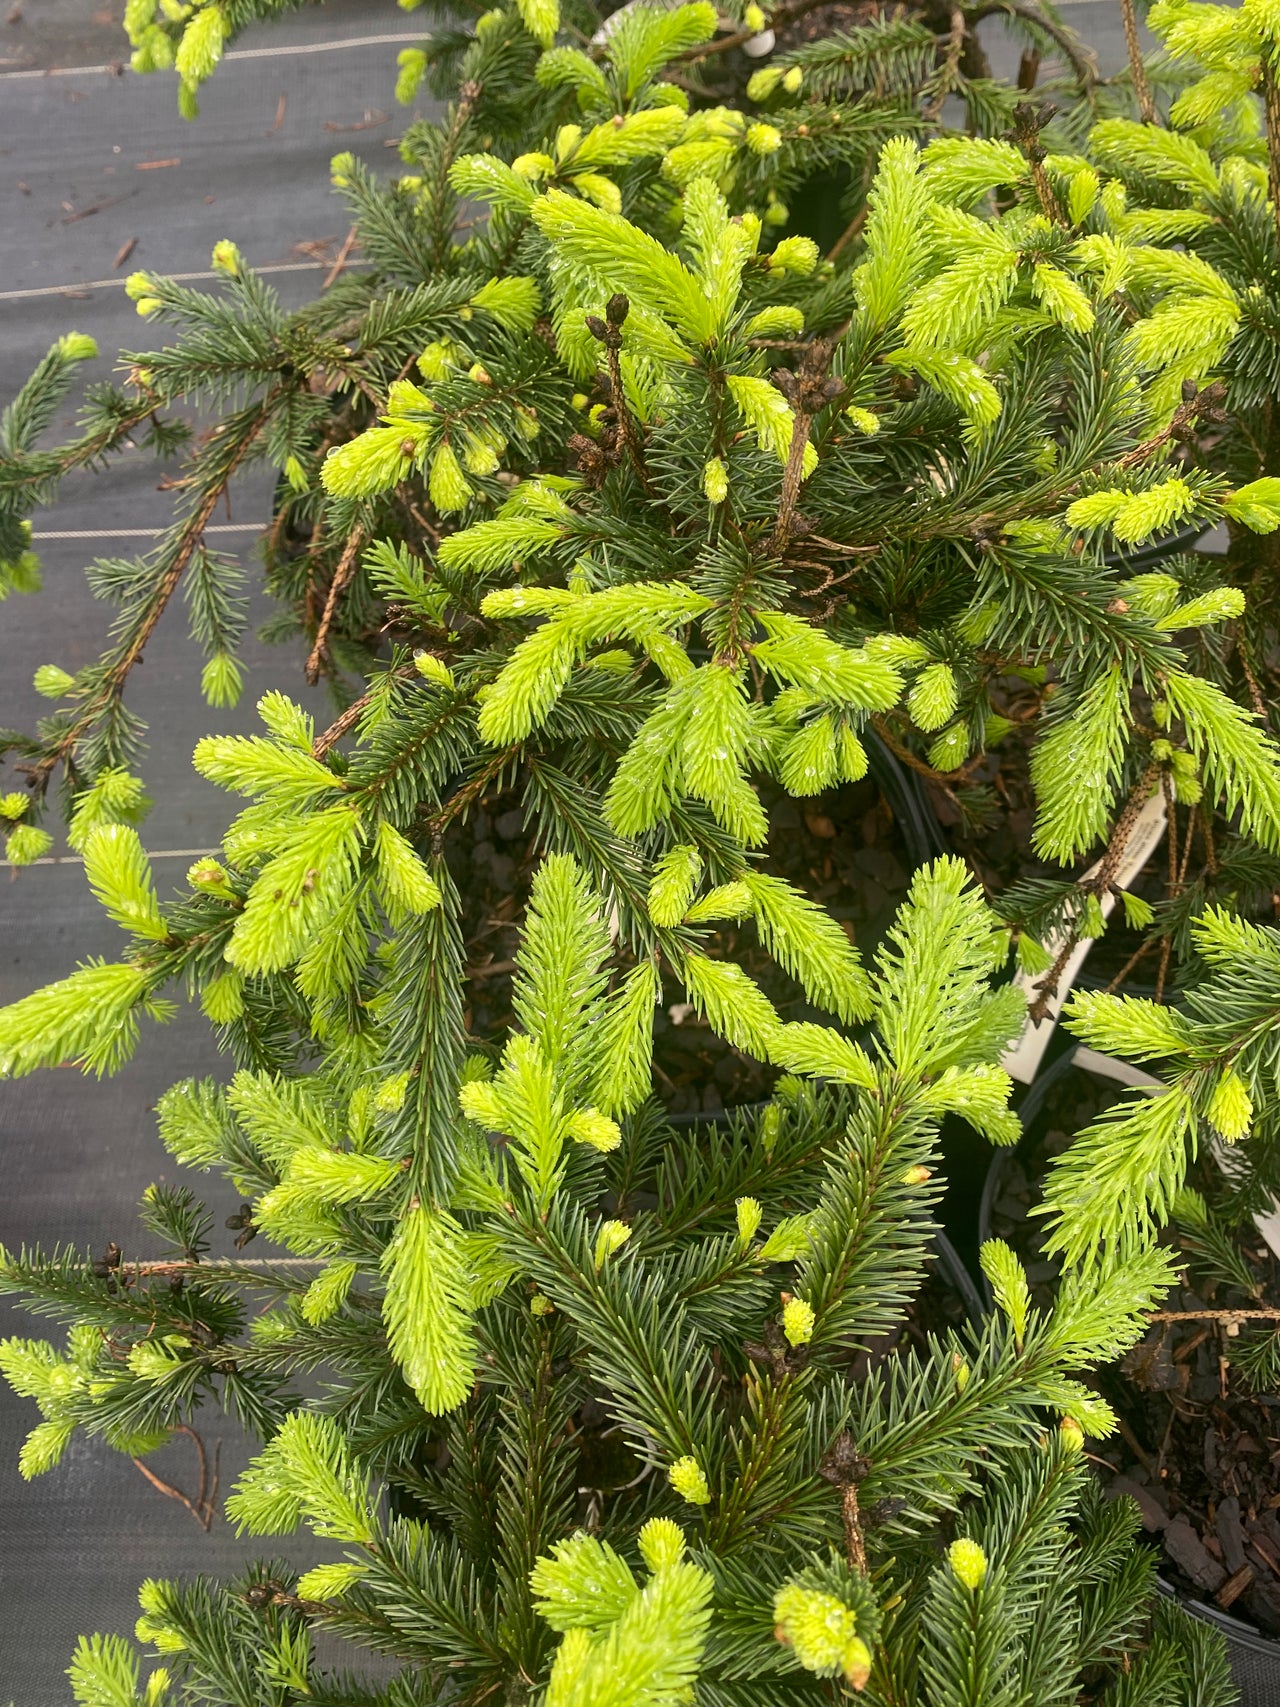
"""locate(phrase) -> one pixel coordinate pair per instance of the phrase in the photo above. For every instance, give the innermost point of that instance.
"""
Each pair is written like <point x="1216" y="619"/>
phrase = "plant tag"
<point x="1022" y="1058"/>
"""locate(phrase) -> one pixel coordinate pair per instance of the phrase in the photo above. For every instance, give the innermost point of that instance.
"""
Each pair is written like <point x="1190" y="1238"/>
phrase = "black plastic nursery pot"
<point x="1255" y="1659"/>
<point x="1254" y="1656"/>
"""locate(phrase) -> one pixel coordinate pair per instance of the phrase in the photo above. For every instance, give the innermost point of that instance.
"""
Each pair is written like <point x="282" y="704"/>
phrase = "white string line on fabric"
<point x="142" y="533"/>
<point x="178" y="278"/>
<point x="78" y="859"/>
<point x="282" y="52"/>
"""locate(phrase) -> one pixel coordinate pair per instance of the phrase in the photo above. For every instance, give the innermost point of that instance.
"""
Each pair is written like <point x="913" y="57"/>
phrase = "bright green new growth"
<point x="1119" y="1180"/>
<point x="90" y="1017"/>
<point x="426" y="1309"/>
<point x="304" y="1473"/>
<point x="1076" y="768"/>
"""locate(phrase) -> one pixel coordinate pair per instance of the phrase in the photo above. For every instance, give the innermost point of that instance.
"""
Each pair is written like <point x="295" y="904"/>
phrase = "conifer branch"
<point x="808" y="392"/>
<point x="205" y="1503"/>
<point x="1028" y="121"/>
<point x="1196" y="403"/>
<point x="347" y="720"/>
<point x="28" y="468"/>
<point x="227" y="449"/>
<point x="609" y="332"/>
<point x="654" y="1392"/>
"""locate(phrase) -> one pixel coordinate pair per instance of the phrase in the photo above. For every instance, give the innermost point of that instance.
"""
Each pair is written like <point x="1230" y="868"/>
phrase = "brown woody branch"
<point x="1226" y="1316"/>
<point x="347" y="720"/>
<point x="189" y="538"/>
<point x="1137" y="70"/>
<point x="205" y="1503"/>
<point x="1194" y="404"/>
<point x="341" y="575"/>
<point x="950" y="67"/>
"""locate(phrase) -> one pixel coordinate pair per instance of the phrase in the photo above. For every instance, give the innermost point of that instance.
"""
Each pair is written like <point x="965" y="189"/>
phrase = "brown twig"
<point x="349" y="243"/>
<point x="341" y="575"/>
<point x="1213" y="1316"/>
<point x="371" y="121"/>
<point x="1097" y="885"/>
<point x="850" y="231"/>
<point x="204" y="1505"/>
<point x="1139" y="953"/>
<point x="1138" y="797"/>
<point x="792" y="475"/>
<point x="465" y="797"/>
<point x="855" y="1546"/>
<point x="1048" y="985"/>
<point x="73" y="214"/>
<point x="1183" y="416"/>
<point x="213" y="1270"/>
<point x="1136" y="1447"/>
<point x="1137" y="70"/>
<point x="1255" y="692"/>
<point x="189" y="538"/>
<point x="1186" y="852"/>
<point x="808" y="392"/>
<point x="1205" y="820"/>
<point x="948" y="70"/>
<point x="346" y="720"/>
<point x="609" y="333"/>
<point x="845" y="550"/>
<point x="1271" y="103"/>
<point x="1028" y="121"/>
<point x="494" y="969"/>
<point x="944" y="779"/>
<point x="1166" y="947"/>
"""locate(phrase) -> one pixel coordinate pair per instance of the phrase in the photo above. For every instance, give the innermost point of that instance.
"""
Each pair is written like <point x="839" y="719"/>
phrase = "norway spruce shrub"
<point x="495" y="1257"/>
<point x="620" y="496"/>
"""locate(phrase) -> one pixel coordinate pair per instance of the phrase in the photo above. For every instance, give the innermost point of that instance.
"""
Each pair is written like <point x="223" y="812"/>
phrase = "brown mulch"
<point x="1201" y="1452"/>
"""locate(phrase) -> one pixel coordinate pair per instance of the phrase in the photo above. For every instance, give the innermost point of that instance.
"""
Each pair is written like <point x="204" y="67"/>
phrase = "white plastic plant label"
<point x="1022" y="1058"/>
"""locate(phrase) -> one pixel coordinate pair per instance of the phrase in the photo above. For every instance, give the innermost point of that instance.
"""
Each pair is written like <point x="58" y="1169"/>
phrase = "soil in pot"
<point x="1198" y="1399"/>
<point x="1201" y="1401"/>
